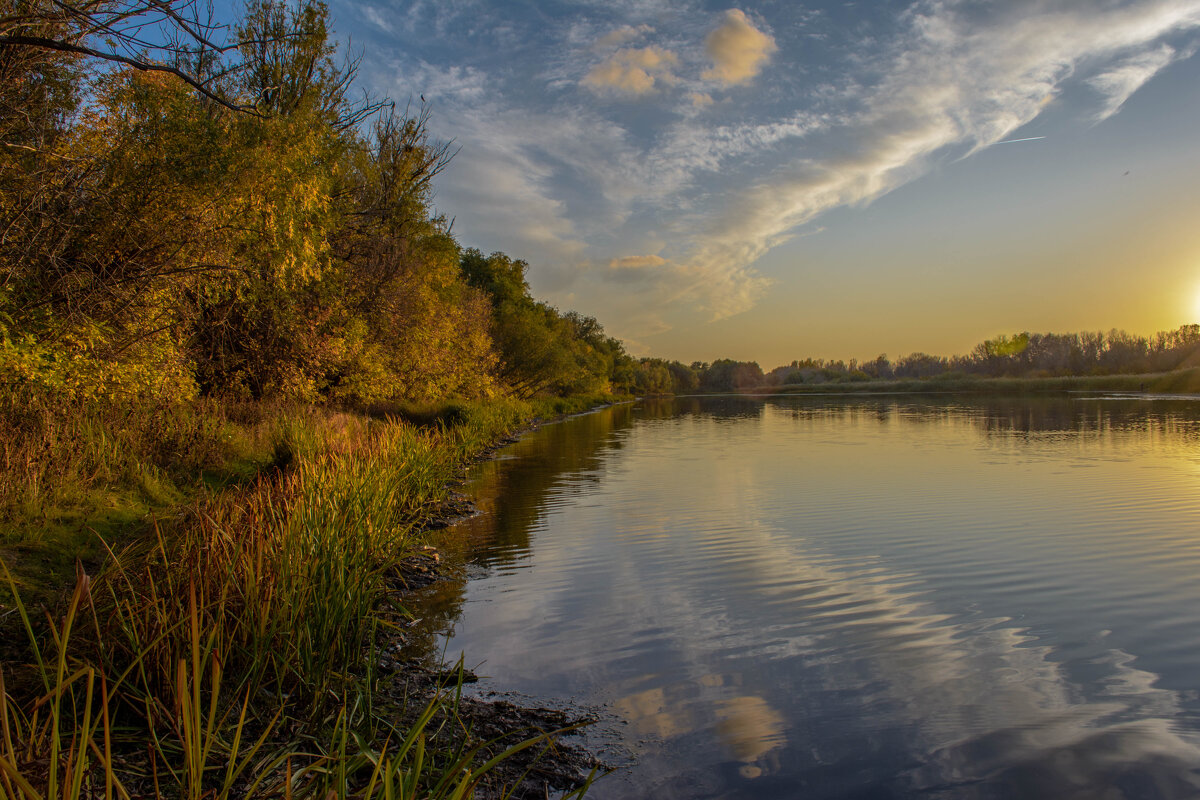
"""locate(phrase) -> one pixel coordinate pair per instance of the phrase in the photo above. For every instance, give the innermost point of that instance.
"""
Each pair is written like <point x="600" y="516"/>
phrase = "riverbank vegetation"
<point x="238" y="650"/>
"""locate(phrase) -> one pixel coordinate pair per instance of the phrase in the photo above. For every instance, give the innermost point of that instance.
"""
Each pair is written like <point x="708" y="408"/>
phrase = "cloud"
<point x="1118" y="84"/>
<point x="505" y="186"/>
<point x="633" y="71"/>
<point x="455" y="83"/>
<point x="622" y="35"/>
<point x="636" y="262"/>
<point x="738" y="49"/>
<point x="952" y="81"/>
<point x="375" y="17"/>
<point x="548" y="174"/>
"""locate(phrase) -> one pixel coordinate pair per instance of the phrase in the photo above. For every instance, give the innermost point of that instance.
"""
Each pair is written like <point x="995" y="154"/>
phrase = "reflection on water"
<point x="814" y="597"/>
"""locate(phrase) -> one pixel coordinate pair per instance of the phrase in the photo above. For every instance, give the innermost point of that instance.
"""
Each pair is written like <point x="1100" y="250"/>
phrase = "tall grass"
<point x="220" y="647"/>
<point x="52" y="451"/>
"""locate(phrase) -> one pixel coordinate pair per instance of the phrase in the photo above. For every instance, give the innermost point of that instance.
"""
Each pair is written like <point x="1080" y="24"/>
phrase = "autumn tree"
<point x="541" y="349"/>
<point x="171" y="37"/>
<point x="727" y="375"/>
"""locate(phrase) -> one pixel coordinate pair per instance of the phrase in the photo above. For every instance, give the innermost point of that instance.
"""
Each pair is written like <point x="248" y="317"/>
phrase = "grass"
<point x="74" y="476"/>
<point x="225" y="646"/>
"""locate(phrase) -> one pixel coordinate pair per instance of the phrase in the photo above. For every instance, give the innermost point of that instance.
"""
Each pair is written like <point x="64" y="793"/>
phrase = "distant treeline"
<point x="237" y="223"/>
<point x="1024" y="355"/>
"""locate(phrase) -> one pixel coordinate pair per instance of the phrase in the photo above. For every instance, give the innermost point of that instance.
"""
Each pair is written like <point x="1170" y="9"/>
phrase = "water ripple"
<point x="874" y="597"/>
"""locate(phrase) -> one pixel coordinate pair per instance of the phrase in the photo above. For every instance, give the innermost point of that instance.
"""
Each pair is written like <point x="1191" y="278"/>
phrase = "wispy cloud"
<point x="636" y="262"/>
<point x="951" y="81"/>
<point x="658" y="211"/>
<point x="1119" y="83"/>
<point x="623" y="34"/>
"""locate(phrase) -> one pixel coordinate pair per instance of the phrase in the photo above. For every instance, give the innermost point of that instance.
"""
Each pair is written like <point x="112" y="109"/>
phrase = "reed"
<point x="221" y="649"/>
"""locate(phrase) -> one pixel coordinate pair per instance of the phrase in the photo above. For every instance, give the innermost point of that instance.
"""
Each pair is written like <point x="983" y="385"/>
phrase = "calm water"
<point x="820" y="598"/>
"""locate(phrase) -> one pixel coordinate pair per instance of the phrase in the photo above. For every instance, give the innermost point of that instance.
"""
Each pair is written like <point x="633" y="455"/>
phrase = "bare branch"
<point x="138" y="64"/>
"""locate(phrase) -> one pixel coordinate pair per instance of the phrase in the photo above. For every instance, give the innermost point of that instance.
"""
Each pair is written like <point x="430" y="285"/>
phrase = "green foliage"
<point x="1003" y="346"/>
<point x="542" y="350"/>
<point x="502" y="278"/>
<point x="653" y="376"/>
<point x="1023" y="355"/>
<point x="165" y="258"/>
<point x="727" y="375"/>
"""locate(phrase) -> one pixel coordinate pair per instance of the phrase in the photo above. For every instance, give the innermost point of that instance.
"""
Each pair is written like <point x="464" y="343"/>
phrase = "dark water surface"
<point x="832" y="598"/>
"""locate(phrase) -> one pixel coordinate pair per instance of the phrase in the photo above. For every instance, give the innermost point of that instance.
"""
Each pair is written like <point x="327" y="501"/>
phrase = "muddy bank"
<point x="558" y="763"/>
<point x="555" y="764"/>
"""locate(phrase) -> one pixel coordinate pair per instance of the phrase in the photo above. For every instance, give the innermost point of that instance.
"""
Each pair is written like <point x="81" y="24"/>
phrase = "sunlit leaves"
<point x="157" y="243"/>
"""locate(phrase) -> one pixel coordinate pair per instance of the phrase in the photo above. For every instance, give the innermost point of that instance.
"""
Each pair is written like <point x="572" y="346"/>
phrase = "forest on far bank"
<point x="1023" y="355"/>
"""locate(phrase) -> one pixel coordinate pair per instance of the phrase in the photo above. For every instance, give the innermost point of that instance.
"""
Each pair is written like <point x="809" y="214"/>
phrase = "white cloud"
<point x="952" y="82"/>
<point x="375" y="16"/>
<point x="574" y="186"/>
<point x="505" y="185"/>
<point x="455" y="84"/>
<point x="738" y="49"/>
<point x="1119" y="83"/>
<point x="690" y="147"/>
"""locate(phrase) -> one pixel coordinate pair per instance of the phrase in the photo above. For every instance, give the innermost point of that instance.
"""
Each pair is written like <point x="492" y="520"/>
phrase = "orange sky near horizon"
<point x="1091" y="233"/>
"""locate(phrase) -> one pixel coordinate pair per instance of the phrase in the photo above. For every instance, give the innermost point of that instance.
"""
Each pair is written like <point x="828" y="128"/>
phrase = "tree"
<point x="653" y="377"/>
<point x="176" y="37"/>
<point x="287" y="64"/>
<point x="683" y="378"/>
<point x="727" y="375"/>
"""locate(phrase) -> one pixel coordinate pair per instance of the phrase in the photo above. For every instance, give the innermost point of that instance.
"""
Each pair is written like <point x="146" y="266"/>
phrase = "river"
<point x="829" y="597"/>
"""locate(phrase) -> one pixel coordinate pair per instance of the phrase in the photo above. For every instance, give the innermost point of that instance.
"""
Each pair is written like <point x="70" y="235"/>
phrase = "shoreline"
<point x="561" y="767"/>
<point x="1183" y="384"/>
<point x="564" y="767"/>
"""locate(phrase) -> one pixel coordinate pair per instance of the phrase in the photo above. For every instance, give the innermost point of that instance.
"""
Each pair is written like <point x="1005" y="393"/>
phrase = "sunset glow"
<point x="814" y="179"/>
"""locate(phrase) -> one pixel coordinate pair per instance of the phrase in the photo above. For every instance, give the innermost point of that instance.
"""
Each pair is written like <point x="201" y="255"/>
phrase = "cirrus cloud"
<point x="575" y="185"/>
<point x="1118" y="84"/>
<point x="621" y="35"/>
<point x="636" y="262"/>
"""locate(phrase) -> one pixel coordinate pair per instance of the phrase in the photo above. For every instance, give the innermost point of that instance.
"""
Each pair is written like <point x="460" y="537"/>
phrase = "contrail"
<point x="1030" y="139"/>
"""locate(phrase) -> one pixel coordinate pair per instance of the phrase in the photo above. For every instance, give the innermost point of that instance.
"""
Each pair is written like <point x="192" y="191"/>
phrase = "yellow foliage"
<point x="74" y="369"/>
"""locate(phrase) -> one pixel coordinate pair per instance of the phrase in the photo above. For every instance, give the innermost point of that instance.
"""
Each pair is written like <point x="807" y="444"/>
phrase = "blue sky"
<point x="779" y="179"/>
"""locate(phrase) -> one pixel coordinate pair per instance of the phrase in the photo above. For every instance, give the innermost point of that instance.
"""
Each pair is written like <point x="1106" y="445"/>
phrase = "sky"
<point x="784" y="179"/>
